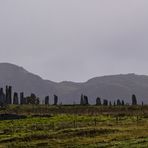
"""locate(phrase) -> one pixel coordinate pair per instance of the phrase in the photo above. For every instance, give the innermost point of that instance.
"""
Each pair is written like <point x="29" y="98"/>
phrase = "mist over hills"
<point x="107" y="87"/>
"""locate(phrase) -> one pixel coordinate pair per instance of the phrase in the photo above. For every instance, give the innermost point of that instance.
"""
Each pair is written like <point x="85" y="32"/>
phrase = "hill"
<point x="107" y="87"/>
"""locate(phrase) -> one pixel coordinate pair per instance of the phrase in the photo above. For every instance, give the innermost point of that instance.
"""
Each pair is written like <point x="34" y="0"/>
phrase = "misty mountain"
<point x="107" y="87"/>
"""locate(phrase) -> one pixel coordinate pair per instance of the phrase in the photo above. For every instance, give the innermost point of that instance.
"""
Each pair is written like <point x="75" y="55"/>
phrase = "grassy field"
<point x="75" y="127"/>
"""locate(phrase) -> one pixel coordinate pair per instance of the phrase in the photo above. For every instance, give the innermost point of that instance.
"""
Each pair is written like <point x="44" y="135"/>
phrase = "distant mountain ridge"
<point x="112" y="87"/>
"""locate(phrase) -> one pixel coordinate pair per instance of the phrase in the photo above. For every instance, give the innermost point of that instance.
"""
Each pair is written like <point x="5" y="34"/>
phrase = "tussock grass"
<point x="75" y="127"/>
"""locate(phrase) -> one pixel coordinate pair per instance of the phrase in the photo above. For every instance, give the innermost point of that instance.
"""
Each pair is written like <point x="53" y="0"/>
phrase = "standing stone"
<point x="8" y="94"/>
<point x="105" y="102"/>
<point x="55" y="99"/>
<point x="134" y="100"/>
<point x="98" y="101"/>
<point x="86" y="100"/>
<point x="22" y="99"/>
<point x="82" y="100"/>
<point x="119" y="102"/>
<point x="2" y="98"/>
<point x="47" y="100"/>
<point x="15" y="98"/>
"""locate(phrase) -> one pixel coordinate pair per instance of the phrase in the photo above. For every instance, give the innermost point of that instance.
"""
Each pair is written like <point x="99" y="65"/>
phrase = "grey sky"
<point x="75" y="39"/>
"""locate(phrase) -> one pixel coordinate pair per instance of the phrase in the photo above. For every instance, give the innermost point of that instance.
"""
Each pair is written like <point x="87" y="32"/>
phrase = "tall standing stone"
<point x="55" y="99"/>
<point x="22" y="99"/>
<point x="82" y="100"/>
<point x="47" y="100"/>
<point x="86" y="100"/>
<point x="2" y="98"/>
<point x="15" y="98"/>
<point x="119" y="102"/>
<point x="8" y="94"/>
<point x="134" y="100"/>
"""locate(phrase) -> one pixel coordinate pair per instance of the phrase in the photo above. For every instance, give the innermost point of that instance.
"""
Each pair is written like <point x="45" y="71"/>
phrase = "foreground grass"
<point x="76" y="129"/>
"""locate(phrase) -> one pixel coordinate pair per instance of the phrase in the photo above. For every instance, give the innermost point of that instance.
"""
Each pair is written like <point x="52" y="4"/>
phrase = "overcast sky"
<point x="75" y="39"/>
